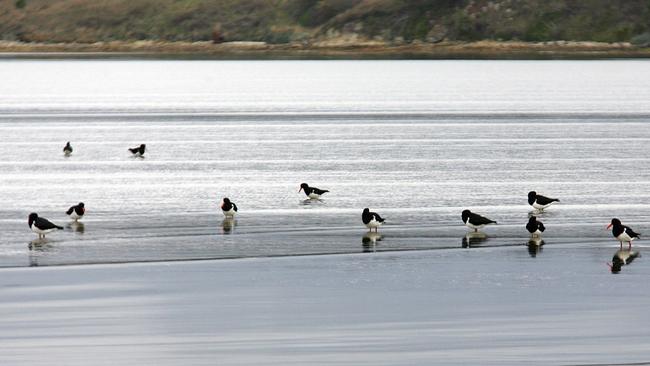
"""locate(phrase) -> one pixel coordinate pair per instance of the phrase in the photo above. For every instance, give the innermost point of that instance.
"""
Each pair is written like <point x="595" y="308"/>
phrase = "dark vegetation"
<point x="284" y="21"/>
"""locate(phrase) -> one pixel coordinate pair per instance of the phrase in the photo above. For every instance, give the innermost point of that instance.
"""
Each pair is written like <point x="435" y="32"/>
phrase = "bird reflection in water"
<point x="369" y="241"/>
<point x="77" y="227"/>
<point x="36" y="248"/>
<point x="622" y="258"/>
<point x="312" y="201"/>
<point x="473" y="239"/>
<point x="535" y="245"/>
<point x="228" y="225"/>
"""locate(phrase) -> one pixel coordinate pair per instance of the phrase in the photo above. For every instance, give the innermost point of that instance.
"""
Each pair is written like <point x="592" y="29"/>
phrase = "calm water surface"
<point x="417" y="141"/>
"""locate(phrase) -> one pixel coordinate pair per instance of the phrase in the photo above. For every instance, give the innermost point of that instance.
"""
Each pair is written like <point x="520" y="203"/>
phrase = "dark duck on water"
<point x="475" y="221"/>
<point x="534" y="227"/>
<point x="540" y="202"/>
<point x="76" y="212"/>
<point x="372" y="220"/>
<point x="622" y="233"/>
<point x="228" y="208"/>
<point x="138" y="151"/>
<point x="67" y="149"/>
<point x="41" y="225"/>
<point x="312" y="192"/>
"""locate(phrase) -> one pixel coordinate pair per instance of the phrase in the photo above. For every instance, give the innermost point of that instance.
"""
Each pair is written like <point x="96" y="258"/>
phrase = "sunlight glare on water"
<point x="417" y="141"/>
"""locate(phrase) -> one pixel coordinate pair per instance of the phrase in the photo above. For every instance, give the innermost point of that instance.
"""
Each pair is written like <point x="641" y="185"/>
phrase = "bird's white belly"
<point x="472" y="226"/>
<point x="540" y="207"/>
<point x="74" y="215"/>
<point x="373" y="224"/>
<point x="624" y="237"/>
<point x="229" y="213"/>
<point x="41" y="232"/>
<point x="313" y="195"/>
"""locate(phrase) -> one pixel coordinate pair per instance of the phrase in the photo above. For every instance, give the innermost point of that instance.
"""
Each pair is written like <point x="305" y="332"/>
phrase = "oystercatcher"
<point x="622" y="232"/>
<point x="67" y="149"/>
<point x="40" y="225"/>
<point x="312" y="192"/>
<point x="475" y="221"/>
<point x="536" y="228"/>
<point x="138" y="151"/>
<point x="229" y="208"/>
<point x="622" y="258"/>
<point x="540" y="202"/>
<point x="76" y="212"/>
<point x="371" y="219"/>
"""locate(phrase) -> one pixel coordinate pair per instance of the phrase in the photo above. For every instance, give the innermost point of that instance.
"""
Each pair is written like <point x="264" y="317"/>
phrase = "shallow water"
<point x="416" y="141"/>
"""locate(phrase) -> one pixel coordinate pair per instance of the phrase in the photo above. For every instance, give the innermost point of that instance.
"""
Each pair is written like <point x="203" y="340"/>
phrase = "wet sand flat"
<point x="487" y="306"/>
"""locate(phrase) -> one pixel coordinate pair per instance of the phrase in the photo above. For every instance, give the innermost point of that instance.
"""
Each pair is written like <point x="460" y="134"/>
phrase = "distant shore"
<point x="326" y="50"/>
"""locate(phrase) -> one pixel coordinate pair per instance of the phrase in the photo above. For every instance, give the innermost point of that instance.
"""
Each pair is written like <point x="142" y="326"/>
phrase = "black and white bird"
<point x="40" y="225"/>
<point x="540" y="202"/>
<point x="622" y="233"/>
<point x="622" y="258"/>
<point x="312" y="192"/>
<point x="138" y="151"/>
<point x="67" y="149"/>
<point x="76" y="212"/>
<point x="372" y="220"/>
<point x="534" y="227"/>
<point x="228" y="208"/>
<point x="475" y="221"/>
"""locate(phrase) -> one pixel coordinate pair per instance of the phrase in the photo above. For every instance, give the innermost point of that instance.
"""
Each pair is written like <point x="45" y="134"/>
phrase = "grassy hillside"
<point x="283" y="21"/>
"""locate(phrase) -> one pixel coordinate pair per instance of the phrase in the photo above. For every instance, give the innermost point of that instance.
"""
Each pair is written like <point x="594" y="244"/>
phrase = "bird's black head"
<point x="226" y="200"/>
<point x="303" y="186"/>
<point x="366" y="210"/>
<point x="81" y="204"/>
<point x="532" y="219"/>
<point x="142" y="146"/>
<point x="67" y="144"/>
<point x="615" y="222"/>
<point x="465" y="214"/>
<point x="532" y="194"/>
<point x="32" y="217"/>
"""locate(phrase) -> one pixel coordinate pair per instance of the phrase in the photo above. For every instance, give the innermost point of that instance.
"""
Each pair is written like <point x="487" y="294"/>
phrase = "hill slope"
<point x="283" y="21"/>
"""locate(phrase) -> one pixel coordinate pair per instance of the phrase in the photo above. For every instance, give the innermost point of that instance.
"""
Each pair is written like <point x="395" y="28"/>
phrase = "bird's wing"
<point x="45" y="224"/>
<point x="541" y="226"/>
<point x="545" y="200"/>
<point x="319" y="191"/>
<point x="234" y="206"/>
<point x="69" y="210"/>
<point x="477" y="219"/>
<point x="631" y="232"/>
<point x="377" y="217"/>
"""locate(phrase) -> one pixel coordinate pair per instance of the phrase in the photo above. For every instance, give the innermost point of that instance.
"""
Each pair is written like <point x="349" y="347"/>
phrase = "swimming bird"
<point x="475" y="221"/>
<point x="540" y="202"/>
<point x="67" y="149"/>
<point x="40" y="225"/>
<point x="371" y="219"/>
<point x="229" y="208"/>
<point x="622" y="258"/>
<point x="536" y="228"/>
<point x="312" y="192"/>
<point x="76" y="212"/>
<point x="622" y="232"/>
<point x="138" y="151"/>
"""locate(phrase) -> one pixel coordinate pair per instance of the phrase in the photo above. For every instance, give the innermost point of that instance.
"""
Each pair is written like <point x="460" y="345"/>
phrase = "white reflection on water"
<point x="419" y="140"/>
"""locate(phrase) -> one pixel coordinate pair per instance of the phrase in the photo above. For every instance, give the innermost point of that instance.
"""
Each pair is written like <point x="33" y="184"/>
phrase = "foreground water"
<point x="489" y="306"/>
<point x="416" y="141"/>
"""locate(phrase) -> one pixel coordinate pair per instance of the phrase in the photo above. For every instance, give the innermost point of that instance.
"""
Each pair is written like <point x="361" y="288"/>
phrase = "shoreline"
<point x="325" y="50"/>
